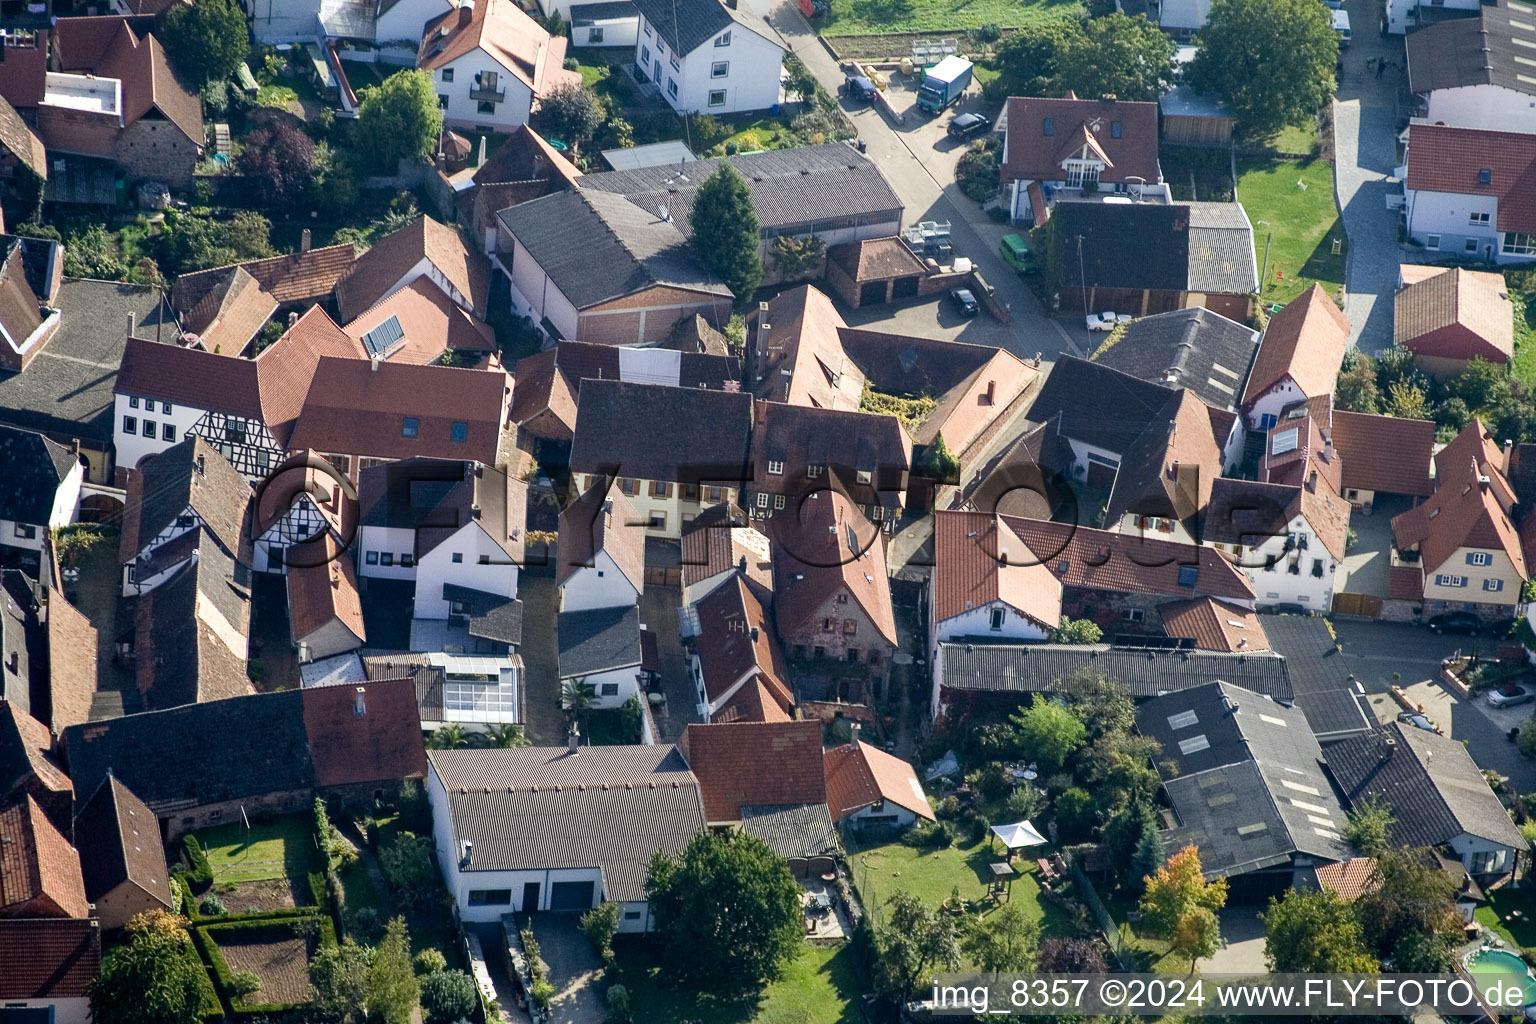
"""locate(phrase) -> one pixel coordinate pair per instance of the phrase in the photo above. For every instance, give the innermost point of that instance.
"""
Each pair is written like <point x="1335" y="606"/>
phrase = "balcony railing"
<point x="483" y="95"/>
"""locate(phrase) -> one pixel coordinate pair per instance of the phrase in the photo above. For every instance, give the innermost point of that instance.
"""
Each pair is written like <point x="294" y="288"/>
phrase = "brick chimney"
<point x="304" y="240"/>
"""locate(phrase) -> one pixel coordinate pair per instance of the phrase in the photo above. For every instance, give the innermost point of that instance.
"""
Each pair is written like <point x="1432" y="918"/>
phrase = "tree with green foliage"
<point x="1271" y="60"/>
<point x="572" y="113"/>
<point x="1076" y="631"/>
<point x="1480" y="384"/>
<point x="1049" y="731"/>
<point x="915" y="940"/>
<point x="192" y="242"/>
<point x="1029" y="61"/>
<point x="1356" y="390"/>
<point x="725" y="232"/>
<point x="398" y="120"/>
<point x="507" y="736"/>
<point x="798" y="257"/>
<point x="1409" y="912"/>
<point x="1148" y="855"/>
<point x="1313" y="931"/>
<point x="1003" y="941"/>
<point x="1127" y="57"/>
<point x="91" y="252"/>
<point x="1125" y="830"/>
<point x="393" y="991"/>
<point x="799" y="79"/>
<point x="938" y="463"/>
<point x="154" y="978"/>
<point x="1181" y="905"/>
<point x="409" y="867"/>
<point x="205" y="40"/>
<point x="1369" y="826"/>
<point x="448" y="996"/>
<point x="727" y="908"/>
<point x="601" y="924"/>
<point x="448" y="737"/>
<point x="1407" y="401"/>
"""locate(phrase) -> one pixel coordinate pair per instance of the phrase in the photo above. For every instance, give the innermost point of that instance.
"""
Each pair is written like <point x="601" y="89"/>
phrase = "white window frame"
<point x="1432" y="242"/>
<point x="717" y="97"/>
<point x="720" y="69"/>
<point x="775" y="467"/>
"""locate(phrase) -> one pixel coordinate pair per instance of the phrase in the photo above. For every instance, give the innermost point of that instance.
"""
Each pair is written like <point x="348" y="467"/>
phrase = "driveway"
<point x="1367" y="564"/>
<point x="544" y="722"/>
<point x="1365" y="152"/>
<point x="920" y="168"/>
<point x="658" y="613"/>
<point x="1244" y="951"/>
<point x="574" y="970"/>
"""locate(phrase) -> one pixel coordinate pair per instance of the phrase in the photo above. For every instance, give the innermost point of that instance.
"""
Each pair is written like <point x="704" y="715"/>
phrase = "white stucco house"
<point x="491" y="64"/>
<point x="985" y="583"/>
<point x="42" y="493"/>
<point x="1287" y="539"/>
<point x="615" y="806"/>
<point x="456" y="530"/>
<point x="1464" y="192"/>
<point x="709" y="56"/>
<point x="602" y="552"/>
<point x="1470" y="72"/>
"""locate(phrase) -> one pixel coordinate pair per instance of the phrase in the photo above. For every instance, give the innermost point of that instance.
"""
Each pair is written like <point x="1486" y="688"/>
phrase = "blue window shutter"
<point x="1470" y="556"/>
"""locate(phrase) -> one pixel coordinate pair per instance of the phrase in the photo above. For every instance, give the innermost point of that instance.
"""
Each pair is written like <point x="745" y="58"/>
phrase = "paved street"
<point x="1376" y="650"/>
<point x="1364" y="155"/>
<point x="923" y="178"/>
<point x="658" y="613"/>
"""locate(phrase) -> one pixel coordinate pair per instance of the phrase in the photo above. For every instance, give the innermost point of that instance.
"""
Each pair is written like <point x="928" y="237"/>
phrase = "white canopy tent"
<point x="1018" y="835"/>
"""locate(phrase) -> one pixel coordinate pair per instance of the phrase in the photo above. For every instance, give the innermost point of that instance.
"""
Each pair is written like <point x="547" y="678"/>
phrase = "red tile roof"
<point x="737" y="641"/>
<point x="295" y="277"/>
<point x="119" y="841"/>
<point x="39" y="870"/>
<point x="1214" y="625"/>
<point x="859" y="775"/>
<point x="48" y="958"/>
<point x="602" y="520"/>
<point x="189" y="376"/>
<point x="754" y="702"/>
<point x="1456" y="314"/>
<point x="876" y="259"/>
<point x="543" y="400"/>
<point x="71" y="663"/>
<point x="108" y="48"/>
<point x="720" y="538"/>
<point x="229" y="315"/>
<point x="752" y="764"/>
<point x="1348" y="879"/>
<point x="978" y="559"/>
<point x="25" y="749"/>
<point x="432" y="322"/>
<point x="1304" y="341"/>
<point x="824" y="549"/>
<point x="365" y="733"/>
<point x="380" y="269"/>
<point x="1446" y="159"/>
<point x="1464" y="511"/>
<point x="802" y="359"/>
<point x="286" y="368"/>
<point x="1384" y="453"/>
<point x="1035" y="155"/>
<point x="322" y="588"/>
<point x="507" y="35"/>
<point x="1098" y="560"/>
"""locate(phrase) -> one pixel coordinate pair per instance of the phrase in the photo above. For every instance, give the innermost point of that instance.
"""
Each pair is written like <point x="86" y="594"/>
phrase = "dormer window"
<point x="864" y="476"/>
<point x="409" y="426"/>
<point x="1114" y="129"/>
<point x="1485" y="176"/>
<point x="1050" y="126"/>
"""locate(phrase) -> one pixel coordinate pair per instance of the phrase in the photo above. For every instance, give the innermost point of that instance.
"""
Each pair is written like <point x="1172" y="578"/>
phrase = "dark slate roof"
<point x="66" y="389"/>
<point x="180" y="658"/>
<point x="596" y="246"/>
<point x="1219" y="727"/>
<point x="1213" y="806"/>
<point x="19" y="637"/>
<point x="604" y="10"/>
<point x="1324" y="687"/>
<point x="34" y="468"/>
<point x="690" y="435"/>
<point x="790" y="187"/>
<point x="598" y="639"/>
<point x="119" y="841"/>
<point x="543" y="808"/>
<point x="491" y="616"/>
<point x="1435" y="789"/>
<point x="1201" y="247"/>
<point x="1032" y="668"/>
<point x="1481" y="50"/>
<point x="792" y="830"/>
<point x="192" y="474"/>
<point x="1098" y="405"/>
<point x="1192" y="348"/>
<point x="199" y="753"/>
<point x="686" y="25"/>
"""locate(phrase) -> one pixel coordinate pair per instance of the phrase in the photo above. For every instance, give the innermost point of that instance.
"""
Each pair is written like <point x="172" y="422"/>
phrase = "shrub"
<point x="211" y="906"/>
<point x="979" y="828"/>
<point x="367" y="925"/>
<point x="618" y="1005"/>
<point x="243" y="983"/>
<point x="542" y="993"/>
<point x="429" y="961"/>
<point x="989" y="33"/>
<point x="448" y="996"/>
<point x="199" y="871"/>
<point x="600" y="925"/>
<point x="947" y="809"/>
<point x="931" y="835"/>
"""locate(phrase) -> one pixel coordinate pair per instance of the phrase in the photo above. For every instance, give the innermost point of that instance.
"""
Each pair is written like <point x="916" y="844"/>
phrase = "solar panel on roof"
<point x="385" y="338"/>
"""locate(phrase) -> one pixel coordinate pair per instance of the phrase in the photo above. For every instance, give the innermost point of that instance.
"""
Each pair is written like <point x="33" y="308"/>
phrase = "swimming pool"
<point x="1502" y="965"/>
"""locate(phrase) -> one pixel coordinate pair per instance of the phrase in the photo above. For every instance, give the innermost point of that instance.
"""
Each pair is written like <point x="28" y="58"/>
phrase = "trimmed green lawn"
<point x="821" y="986"/>
<point x="931" y="875"/>
<point x="1294" y="200"/>
<point x="282" y="848"/>
<point x="879" y="17"/>
<point x="1495" y="915"/>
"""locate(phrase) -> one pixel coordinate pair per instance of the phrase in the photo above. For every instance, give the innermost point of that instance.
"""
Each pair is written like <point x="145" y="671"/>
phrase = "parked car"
<point x="1456" y="622"/>
<point x="1017" y="255"/>
<point x="965" y="301"/>
<point x="859" y="87"/>
<point x="1105" y="321"/>
<point x="1500" y="629"/>
<point x="967" y="126"/>
<point x="1509" y="695"/>
<point x="1415" y="719"/>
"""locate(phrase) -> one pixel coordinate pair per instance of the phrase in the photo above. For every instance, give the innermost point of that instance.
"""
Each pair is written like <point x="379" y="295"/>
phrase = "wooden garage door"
<point x="570" y="896"/>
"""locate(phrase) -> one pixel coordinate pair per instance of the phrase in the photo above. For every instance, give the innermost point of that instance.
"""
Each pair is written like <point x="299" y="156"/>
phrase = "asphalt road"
<point x="920" y="168"/>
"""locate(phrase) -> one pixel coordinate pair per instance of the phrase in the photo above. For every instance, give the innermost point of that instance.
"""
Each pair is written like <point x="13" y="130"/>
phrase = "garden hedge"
<point x="206" y="937"/>
<point x="199" y="871"/>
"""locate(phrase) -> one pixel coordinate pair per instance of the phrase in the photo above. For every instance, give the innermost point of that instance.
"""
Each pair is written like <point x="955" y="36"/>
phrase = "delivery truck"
<point x="943" y="84"/>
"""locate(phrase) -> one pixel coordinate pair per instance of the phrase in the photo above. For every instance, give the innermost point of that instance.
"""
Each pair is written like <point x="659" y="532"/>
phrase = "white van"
<point x="1341" y="26"/>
